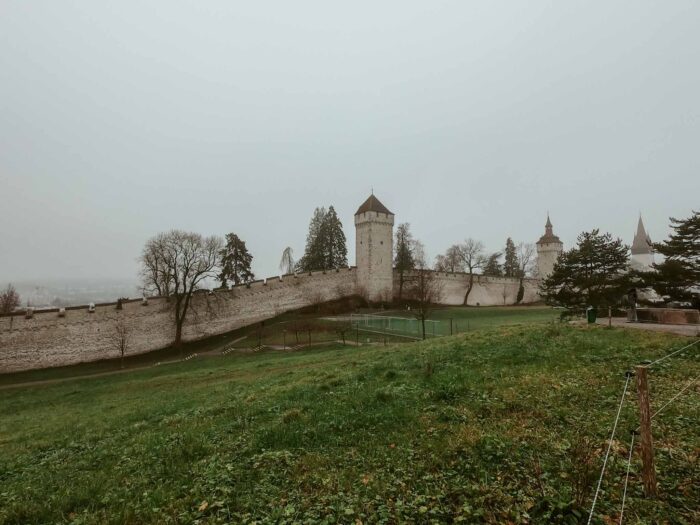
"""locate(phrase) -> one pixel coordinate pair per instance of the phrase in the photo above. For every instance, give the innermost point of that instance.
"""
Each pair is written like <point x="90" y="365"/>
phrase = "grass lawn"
<point x="290" y="329"/>
<point x="502" y="425"/>
<point x="458" y="319"/>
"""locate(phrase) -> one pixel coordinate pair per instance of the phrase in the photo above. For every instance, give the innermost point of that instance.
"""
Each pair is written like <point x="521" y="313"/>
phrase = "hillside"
<point x="505" y="425"/>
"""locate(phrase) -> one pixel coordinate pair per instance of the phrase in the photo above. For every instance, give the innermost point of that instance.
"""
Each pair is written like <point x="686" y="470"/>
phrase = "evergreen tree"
<point x="325" y="243"/>
<point x="313" y="252"/>
<point x="678" y="277"/>
<point x="510" y="264"/>
<point x="593" y="273"/>
<point x="493" y="267"/>
<point x="403" y="257"/>
<point x="235" y="262"/>
<point x="335" y="250"/>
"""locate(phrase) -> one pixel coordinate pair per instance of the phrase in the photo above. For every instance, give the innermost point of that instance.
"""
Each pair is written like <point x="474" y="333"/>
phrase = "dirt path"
<point x="688" y="330"/>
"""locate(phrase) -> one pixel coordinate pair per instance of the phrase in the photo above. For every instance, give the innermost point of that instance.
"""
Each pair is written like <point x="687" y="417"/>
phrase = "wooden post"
<point x="284" y="339"/>
<point x="646" y="442"/>
<point x="609" y="316"/>
<point x="451" y="326"/>
<point x="309" y="336"/>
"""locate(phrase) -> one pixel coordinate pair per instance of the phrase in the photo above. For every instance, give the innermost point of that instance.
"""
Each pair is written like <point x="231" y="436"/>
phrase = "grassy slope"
<point x="494" y="425"/>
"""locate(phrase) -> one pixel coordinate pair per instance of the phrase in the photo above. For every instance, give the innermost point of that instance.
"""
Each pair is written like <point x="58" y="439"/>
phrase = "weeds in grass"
<point x="493" y="427"/>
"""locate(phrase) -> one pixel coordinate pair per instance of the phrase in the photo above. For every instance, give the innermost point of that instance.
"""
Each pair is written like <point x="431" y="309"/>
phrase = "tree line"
<point x="596" y="271"/>
<point x="176" y="264"/>
<point x="469" y="256"/>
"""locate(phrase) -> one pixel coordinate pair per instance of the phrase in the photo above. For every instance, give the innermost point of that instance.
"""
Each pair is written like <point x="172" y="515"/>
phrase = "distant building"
<point x="374" y="253"/>
<point x="549" y="248"/>
<point x="642" y="249"/>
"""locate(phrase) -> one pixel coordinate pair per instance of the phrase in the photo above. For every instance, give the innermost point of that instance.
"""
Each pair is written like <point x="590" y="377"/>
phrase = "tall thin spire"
<point x="642" y="241"/>
<point x="548" y="236"/>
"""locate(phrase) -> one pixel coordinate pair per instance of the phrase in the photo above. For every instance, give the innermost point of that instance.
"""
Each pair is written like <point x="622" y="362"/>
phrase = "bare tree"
<point x="287" y="262"/>
<point x="403" y="254"/>
<point x="176" y="264"/>
<point x="9" y="299"/>
<point x="426" y="291"/>
<point x="526" y="258"/>
<point x="342" y="329"/>
<point x="472" y="255"/>
<point x="419" y="258"/>
<point x="156" y="273"/>
<point x="526" y="261"/>
<point x="424" y="288"/>
<point x="440" y="263"/>
<point x="450" y="261"/>
<point x="120" y="337"/>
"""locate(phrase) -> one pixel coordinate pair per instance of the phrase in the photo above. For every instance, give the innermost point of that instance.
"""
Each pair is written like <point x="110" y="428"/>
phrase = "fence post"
<point x="309" y="336"/>
<point x="646" y="442"/>
<point x="451" y="326"/>
<point x="609" y="316"/>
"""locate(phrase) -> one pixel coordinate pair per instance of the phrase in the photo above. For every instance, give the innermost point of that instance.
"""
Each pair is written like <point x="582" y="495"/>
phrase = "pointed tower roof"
<point x="548" y="236"/>
<point x="642" y="241"/>
<point x="372" y="204"/>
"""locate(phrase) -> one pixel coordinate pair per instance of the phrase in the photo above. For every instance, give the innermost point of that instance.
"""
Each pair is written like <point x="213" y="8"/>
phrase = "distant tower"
<point x="549" y="247"/>
<point x="642" y="250"/>
<point x="374" y="235"/>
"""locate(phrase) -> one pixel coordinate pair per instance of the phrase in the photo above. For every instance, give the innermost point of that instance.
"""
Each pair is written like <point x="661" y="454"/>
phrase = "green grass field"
<point x="502" y="425"/>
<point x="459" y="319"/>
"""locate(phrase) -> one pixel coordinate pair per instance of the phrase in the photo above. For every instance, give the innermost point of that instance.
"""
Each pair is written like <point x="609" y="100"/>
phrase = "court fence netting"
<point x="408" y="327"/>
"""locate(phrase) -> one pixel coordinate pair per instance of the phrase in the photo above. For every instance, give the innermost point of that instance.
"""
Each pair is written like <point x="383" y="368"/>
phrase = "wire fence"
<point x="635" y="432"/>
<point x="399" y="326"/>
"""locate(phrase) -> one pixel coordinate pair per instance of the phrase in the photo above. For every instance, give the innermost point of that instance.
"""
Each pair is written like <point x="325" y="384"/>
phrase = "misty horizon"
<point x="120" y="122"/>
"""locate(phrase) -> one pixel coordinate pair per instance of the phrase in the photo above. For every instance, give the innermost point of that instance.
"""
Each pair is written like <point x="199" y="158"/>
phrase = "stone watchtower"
<point x="374" y="235"/>
<point x="549" y="247"/>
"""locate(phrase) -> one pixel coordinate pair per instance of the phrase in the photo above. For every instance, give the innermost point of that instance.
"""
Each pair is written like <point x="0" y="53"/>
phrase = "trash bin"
<point x="591" y="314"/>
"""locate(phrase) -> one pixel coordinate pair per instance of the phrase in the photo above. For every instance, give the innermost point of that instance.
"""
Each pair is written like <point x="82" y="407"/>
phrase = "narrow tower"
<point x="642" y="250"/>
<point x="374" y="235"/>
<point x="549" y="247"/>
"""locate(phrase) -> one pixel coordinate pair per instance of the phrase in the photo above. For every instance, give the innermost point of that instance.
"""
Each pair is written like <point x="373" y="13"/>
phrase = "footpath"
<point x="689" y="330"/>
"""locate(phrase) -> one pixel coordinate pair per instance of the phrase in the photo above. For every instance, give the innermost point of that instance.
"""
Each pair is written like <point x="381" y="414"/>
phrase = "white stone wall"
<point x="486" y="291"/>
<point x="374" y="253"/>
<point x="49" y="340"/>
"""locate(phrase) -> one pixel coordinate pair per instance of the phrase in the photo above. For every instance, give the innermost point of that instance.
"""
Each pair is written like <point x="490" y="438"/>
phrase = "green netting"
<point x="401" y="326"/>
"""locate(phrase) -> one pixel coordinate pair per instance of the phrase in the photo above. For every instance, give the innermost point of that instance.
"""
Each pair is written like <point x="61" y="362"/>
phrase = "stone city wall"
<point x="48" y="340"/>
<point x="487" y="291"/>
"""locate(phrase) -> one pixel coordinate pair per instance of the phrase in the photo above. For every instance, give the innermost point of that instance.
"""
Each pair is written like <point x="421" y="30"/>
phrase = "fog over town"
<point x="469" y="120"/>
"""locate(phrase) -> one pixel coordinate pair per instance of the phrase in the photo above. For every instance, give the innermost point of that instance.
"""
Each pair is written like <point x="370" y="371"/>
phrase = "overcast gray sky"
<point x="469" y="119"/>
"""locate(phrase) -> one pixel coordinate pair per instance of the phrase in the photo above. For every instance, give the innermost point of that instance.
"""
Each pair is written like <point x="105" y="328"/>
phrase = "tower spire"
<point x="641" y="242"/>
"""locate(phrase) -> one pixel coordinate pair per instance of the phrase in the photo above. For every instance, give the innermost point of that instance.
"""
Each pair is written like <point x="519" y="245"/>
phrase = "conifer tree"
<point x="313" y="252"/>
<point x="335" y="249"/>
<point x="325" y="243"/>
<point x="403" y="257"/>
<point x="510" y="264"/>
<point x="593" y="273"/>
<point x="493" y="267"/>
<point x="678" y="276"/>
<point x="235" y="262"/>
